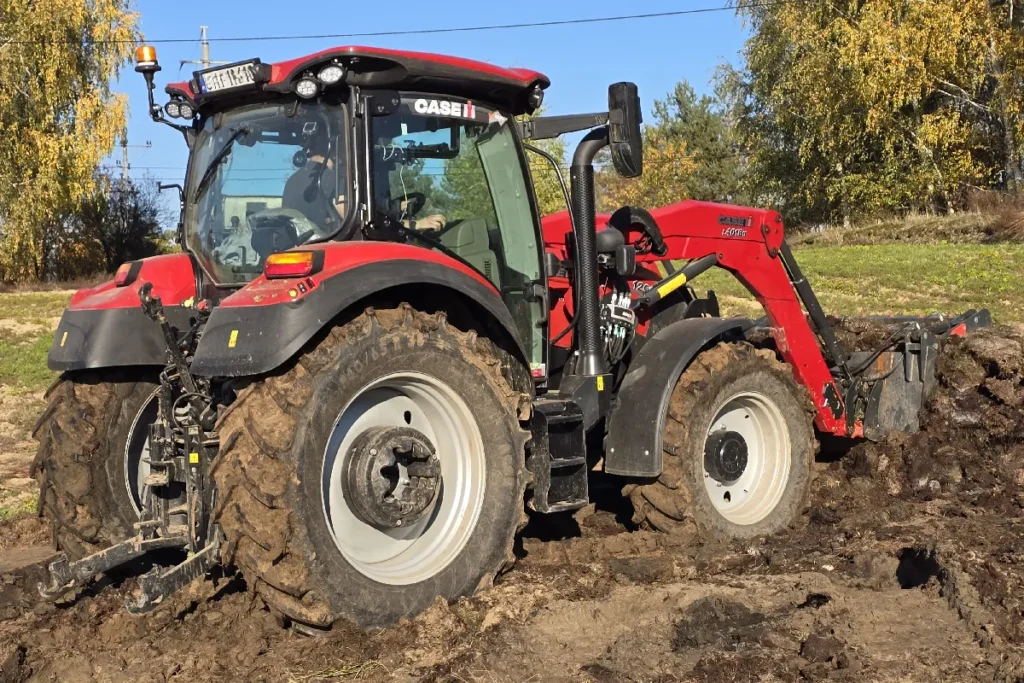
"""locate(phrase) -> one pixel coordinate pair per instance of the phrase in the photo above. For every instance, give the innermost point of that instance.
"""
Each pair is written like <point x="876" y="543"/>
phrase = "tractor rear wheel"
<point x="738" y="446"/>
<point x="93" y="439"/>
<point x="384" y="468"/>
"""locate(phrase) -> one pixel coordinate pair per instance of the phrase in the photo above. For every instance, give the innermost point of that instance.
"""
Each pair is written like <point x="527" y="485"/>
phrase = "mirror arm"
<point x="547" y="127"/>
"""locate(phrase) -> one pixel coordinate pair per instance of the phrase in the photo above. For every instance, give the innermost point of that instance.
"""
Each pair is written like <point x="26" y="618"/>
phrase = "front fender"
<point x="637" y="422"/>
<point x="104" y="326"/>
<point x="266" y="323"/>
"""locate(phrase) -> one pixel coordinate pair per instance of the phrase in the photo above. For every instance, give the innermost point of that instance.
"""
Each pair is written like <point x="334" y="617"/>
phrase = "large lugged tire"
<point x="293" y="529"/>
<point x="92" y="436"/>
<point x="738" y="445"/>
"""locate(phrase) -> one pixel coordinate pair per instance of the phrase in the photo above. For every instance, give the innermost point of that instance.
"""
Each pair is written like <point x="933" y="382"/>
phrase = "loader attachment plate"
<point x="899" y="377"/>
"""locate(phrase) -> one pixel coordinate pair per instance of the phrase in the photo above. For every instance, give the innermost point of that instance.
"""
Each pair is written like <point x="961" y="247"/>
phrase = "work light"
<point x="307" y="88"/>
<point x="331" y="74"/>
<point x="186" y="111"/>
<point x="172" y="109"/>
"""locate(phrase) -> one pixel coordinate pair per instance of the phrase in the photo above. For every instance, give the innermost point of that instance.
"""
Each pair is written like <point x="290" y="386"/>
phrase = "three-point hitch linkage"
<point x="177" y="494"/>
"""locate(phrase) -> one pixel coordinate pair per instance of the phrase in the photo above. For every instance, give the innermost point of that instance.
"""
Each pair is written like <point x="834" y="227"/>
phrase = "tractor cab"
<point x="359" y="144"/>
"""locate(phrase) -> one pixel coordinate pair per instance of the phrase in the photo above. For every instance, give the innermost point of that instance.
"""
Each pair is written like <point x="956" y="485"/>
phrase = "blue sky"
<point x="580" y="60"/>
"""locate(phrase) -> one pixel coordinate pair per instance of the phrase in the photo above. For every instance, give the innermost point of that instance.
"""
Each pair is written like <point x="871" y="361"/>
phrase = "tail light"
<point x="288" y="264"/>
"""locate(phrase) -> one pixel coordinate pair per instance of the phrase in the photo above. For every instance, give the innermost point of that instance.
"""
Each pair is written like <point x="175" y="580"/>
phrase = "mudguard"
<point x="636" y="423"/>
<point x="105" y="327"/>
<point x="266" y="323"/>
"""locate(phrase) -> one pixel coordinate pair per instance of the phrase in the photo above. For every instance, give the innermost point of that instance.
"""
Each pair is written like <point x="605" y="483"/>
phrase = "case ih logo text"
<point x="445" y="108"/>
<point x="736" y="223"/>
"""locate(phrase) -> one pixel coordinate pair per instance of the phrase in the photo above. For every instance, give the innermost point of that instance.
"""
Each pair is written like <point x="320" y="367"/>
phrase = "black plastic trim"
<point x="112" y="337"/>
<point x="265" y="337"/>
<point x="637" y="422"/>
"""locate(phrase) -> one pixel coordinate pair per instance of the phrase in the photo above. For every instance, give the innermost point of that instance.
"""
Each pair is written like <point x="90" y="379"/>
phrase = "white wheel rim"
<point x="136" y="452"/>
<point x="758" y="490"/>
<point x="415" y="553"/>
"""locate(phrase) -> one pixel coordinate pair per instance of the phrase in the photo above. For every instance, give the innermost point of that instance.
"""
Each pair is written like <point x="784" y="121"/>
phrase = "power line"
<point x="428" y="31"/>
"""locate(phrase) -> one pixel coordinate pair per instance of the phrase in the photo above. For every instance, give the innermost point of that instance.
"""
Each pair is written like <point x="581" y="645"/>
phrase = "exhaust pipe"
<point x="591" y="362"/>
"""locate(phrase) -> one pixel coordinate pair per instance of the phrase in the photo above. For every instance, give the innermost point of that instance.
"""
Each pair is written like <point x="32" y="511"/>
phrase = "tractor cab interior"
<point x="451" y="174"/>
<point x="265" y="178"/>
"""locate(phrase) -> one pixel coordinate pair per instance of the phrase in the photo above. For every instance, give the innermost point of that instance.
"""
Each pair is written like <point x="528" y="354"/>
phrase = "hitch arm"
<point x="160" y="582"/>
<point x="64" y="575"/>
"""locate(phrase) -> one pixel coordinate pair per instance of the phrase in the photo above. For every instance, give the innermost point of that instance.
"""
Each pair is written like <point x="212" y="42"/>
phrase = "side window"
<point x="450" y="171"/>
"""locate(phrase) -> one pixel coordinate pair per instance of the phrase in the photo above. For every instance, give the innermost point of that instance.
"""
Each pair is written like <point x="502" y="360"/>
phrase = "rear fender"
<point x="266" y="323"/>
<point x="637" y="421"/>
<point x="105" y="327"/>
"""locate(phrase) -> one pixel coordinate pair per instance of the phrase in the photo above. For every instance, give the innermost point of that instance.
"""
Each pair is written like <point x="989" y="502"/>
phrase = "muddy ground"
<point x="907" y="567"/>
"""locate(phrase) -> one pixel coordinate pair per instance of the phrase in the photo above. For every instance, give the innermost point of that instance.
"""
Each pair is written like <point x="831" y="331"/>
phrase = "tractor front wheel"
<point x="383" y="469"/>
<point x="738" y="448"/>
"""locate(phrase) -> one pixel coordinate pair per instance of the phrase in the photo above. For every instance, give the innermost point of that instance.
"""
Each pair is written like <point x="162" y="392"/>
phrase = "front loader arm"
<point x="749" y="243"/>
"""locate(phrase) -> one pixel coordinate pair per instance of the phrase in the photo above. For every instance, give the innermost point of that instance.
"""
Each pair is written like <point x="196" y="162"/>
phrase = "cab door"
<point x="453" y="172"/>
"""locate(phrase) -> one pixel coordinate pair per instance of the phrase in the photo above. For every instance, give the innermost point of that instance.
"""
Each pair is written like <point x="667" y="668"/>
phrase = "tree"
<point x="699" y="122"/>
<point x="58" y="116"/>
<point x="668" y="173"/>
<point x="119" y="221"/>
<point x="852" y="108"/>
<point x="124" y="219"/>
<point x="688" y="154"/>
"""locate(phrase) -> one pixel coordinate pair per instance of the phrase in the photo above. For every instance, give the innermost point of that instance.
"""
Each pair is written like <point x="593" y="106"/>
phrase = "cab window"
<point x="450" y="172"/>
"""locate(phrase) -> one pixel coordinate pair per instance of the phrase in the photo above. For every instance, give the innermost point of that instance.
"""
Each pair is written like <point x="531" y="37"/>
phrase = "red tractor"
<point x="373" y="353"/>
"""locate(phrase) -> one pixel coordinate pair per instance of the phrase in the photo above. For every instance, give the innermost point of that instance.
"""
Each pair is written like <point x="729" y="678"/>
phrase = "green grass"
<point x="21" y="506"/>
<point x="901" y="278"/>
<point x="27" y="321"/>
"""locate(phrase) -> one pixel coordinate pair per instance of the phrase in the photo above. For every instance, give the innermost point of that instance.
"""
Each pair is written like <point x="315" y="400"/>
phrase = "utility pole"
<point x="205" y="62"/>
<point x="125" y="166"/>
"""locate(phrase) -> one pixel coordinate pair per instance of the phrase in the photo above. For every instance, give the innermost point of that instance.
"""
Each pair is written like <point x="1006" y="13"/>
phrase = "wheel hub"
<point x="725" y="456"/>
<point x="391" y="477"/>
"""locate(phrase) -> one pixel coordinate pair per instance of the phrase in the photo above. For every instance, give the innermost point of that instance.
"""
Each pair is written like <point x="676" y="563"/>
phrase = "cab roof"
<point x="374" y="67"/>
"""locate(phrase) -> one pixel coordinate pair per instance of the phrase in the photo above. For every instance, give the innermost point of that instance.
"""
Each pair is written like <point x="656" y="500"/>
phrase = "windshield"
<point x="264" y="178"/>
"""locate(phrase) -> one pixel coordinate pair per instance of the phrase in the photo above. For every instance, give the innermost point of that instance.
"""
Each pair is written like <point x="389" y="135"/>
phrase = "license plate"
<point x="228" y="77"/>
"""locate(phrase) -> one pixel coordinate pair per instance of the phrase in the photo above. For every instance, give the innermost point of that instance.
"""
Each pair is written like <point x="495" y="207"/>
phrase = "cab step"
<point x="558" y="457"/>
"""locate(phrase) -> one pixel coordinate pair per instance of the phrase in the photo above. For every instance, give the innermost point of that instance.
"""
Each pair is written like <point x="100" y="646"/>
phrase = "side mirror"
<point x="624" y="138"/>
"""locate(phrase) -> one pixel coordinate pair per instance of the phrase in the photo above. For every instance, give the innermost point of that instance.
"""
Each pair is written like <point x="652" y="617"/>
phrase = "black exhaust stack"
<point x="591" y="362"/>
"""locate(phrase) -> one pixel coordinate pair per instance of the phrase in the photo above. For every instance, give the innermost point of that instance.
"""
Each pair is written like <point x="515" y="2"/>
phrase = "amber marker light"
<point x="290" y="264"/>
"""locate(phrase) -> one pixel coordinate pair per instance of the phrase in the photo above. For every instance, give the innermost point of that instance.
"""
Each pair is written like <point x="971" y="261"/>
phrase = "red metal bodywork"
<point x="414" y="64"/>
<point x="340" y="257"/>
<point x="746" y="241"/>
<point x="173" y="280"/>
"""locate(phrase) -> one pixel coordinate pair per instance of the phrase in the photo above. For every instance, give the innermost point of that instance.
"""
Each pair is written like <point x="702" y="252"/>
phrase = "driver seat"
<point x="470" y="239"/>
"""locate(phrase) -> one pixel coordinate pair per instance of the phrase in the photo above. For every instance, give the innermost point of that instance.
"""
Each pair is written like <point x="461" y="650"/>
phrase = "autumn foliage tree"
<point x="689" y="153"/>
<point x="854" y="108"/>
<point x="58" y="116"/>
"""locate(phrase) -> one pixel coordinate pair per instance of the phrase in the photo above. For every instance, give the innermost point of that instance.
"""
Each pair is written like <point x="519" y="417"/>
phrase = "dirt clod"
<point x="724" y="624"/>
